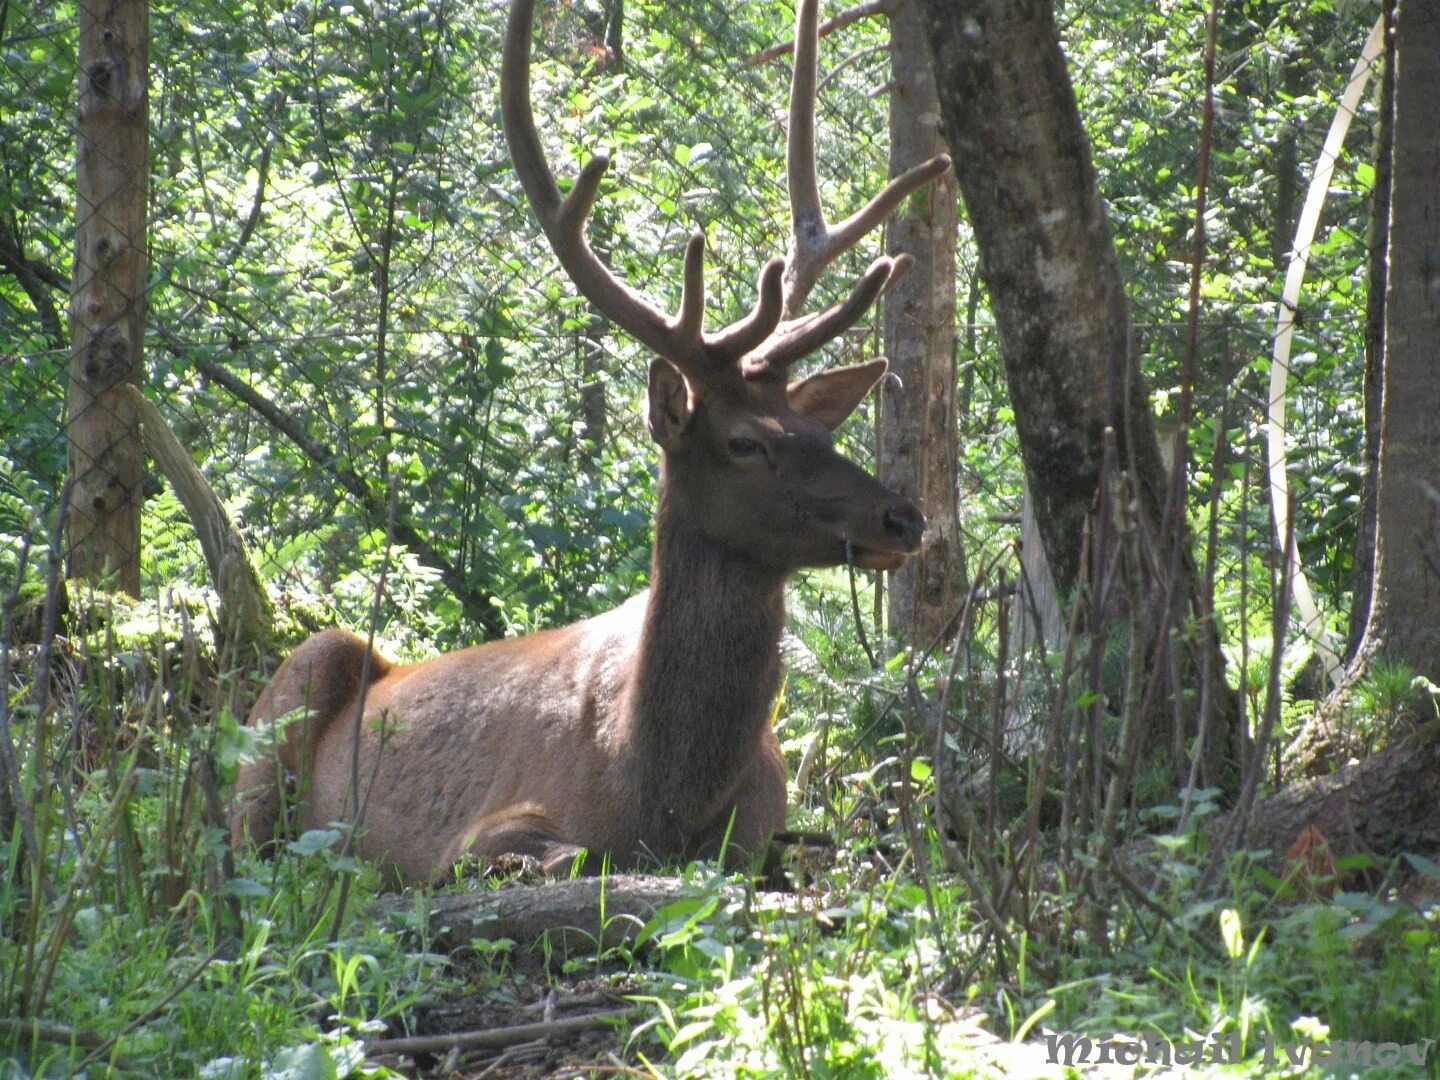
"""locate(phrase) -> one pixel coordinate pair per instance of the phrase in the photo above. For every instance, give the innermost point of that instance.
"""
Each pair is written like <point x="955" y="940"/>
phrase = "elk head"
<point x="747" y="457"/>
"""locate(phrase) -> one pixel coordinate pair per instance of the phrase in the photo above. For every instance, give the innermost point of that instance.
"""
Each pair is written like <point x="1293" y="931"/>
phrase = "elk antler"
<point x="680" y="339"/>
<point x="773" y="335"/>
<point x="815" y="244"/>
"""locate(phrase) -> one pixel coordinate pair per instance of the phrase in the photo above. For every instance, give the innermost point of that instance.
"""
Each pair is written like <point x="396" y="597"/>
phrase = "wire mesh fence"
<point x="354" y="325"/>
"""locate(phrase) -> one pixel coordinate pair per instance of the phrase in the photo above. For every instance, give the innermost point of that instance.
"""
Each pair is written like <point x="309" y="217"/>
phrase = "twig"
<point x="1239" y="824"/>
<point x="365" y="673"/>
<point x="155" y="1010"/>
<point x="829" y="26"/>
<point x="499" y="1038"/>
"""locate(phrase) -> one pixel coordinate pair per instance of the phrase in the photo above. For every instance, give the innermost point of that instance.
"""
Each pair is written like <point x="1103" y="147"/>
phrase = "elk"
<point x="643" y="732"/>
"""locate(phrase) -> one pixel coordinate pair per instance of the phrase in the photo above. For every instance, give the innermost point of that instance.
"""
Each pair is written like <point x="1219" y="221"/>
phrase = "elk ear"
<point x="832" y="395"/>
<point x="669" y="403"/>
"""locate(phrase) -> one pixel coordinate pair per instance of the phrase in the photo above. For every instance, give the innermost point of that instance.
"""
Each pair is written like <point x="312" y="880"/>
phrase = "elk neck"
<point x="707" y="670"/>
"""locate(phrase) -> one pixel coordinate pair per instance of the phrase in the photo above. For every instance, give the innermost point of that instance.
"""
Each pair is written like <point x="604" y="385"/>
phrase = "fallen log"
<point x="588" y="914"/>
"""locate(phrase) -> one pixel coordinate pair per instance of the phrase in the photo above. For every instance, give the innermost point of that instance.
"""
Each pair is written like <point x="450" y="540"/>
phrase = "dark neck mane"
<point x="707" y="671"/>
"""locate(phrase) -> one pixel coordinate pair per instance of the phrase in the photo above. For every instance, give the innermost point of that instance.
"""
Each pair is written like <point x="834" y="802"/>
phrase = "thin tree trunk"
<point x="108" y="303"/>
<point x="1362" y="577"/>
<point x="917" y="436"/>
<point x="1024" y="169"/>
<point x="1404" y="622"/>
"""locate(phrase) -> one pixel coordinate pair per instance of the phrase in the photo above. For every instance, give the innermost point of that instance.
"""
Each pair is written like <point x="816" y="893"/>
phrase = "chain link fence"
<point x="357" y="331"/>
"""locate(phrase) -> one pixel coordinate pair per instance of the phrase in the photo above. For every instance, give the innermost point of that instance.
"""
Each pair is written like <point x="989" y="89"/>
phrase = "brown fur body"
<point x="600" y="735"/>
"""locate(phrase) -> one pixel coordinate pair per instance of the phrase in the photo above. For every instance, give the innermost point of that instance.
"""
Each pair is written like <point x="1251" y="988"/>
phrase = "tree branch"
<point x="829" y="26"/>
<point x="477" y="604"/>
<point x="34" y="277"/>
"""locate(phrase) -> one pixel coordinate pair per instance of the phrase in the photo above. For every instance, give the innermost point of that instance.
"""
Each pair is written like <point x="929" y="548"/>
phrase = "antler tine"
<point x="744" y="335"/>
<point x="564" y="220"/>
<point x="815" y="244"/>
<point x="797" y="338"/>
<point x="680" y="339"/>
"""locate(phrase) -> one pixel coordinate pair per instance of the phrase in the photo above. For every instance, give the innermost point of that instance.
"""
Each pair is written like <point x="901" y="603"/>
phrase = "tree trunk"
<point x="1404" y="621"/>
<point x="245" y="613"/>
<point x="1024" y="169"/>
<point x="108" y="302"/>
<point x="917" y="424"/>
<point x="1363" y="576"/>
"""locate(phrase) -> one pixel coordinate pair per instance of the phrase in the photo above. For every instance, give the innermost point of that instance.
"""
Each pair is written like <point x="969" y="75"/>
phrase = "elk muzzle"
<point x="892" y="539"/>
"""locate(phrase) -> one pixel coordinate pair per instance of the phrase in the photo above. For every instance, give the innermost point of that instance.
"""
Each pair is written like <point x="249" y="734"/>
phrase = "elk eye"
<point x="743" y="447"/>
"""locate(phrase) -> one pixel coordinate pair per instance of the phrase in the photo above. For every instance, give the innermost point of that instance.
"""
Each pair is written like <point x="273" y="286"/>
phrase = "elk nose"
<point x="904" y="523"/>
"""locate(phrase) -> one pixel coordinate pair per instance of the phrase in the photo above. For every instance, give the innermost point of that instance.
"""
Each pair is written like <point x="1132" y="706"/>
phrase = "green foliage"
<point x="335" y="223"/>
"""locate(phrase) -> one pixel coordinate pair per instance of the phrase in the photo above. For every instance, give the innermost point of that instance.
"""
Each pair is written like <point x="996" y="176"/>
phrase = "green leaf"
<point x="1428" y="867"/>
<point x="311" y="1062"/>
<point x="314" y="841"/>
<point x="1231" y="933"/>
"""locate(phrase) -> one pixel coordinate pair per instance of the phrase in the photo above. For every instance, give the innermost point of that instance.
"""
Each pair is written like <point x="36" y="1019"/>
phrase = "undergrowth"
<point x="903" y="949"/>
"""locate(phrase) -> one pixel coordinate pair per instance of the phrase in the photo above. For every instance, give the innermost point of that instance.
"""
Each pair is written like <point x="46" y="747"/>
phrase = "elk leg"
<point x="759" y="807"/>
<point x="321" y="677"/>
<point x="520" y="830"/>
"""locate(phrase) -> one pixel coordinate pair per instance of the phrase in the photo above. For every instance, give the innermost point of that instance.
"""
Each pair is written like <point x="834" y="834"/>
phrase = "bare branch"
<point x="829" y="26"/>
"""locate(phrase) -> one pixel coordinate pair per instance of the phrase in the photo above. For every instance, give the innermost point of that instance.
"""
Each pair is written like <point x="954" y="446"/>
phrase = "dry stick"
<point x="1132" y="722"/>
<point x="1212" y="544"/>
<point x="1172" y="519"/>
<point x="997" y="719"/>
<point x="1244" y="681"/>
<point x="505" y="1057"/>
<point x="1052" y="733"/>
<point x="155" y="1010"/>
<point x="348" y="846"/>
<point x="836" y="22"/>
<point x="499" y="1038"/>
<point x="1105" y="571"/>
<point x="976" y="594"/>
<point x="960" y="808"/>
<point x="1070" y="793"/>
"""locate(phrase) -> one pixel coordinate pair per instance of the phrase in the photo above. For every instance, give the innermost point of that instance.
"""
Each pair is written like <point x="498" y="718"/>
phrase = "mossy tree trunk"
<point x="108" y="302"/>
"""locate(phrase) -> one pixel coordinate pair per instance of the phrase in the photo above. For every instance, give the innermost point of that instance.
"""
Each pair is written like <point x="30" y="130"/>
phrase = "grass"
<point x="909" y="951"/>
